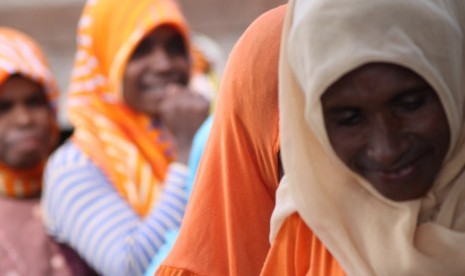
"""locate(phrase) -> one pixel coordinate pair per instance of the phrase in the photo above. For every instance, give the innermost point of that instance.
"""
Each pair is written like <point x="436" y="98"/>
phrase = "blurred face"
<point x="160" y="60"/>
<point x="388" y="125"/>
<point x="26" y="123"/>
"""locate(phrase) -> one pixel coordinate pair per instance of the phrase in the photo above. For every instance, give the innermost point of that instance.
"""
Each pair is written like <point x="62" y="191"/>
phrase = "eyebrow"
<point x="417" y="87"/>
<point x="335" y="110"/>
<point x="39" y="93"/>
<point x="414" y="89"/>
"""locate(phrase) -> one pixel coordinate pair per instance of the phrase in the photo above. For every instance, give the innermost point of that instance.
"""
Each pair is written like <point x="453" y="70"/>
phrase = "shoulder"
<point x="66" y="163"/>
<point x="67" y="154"/>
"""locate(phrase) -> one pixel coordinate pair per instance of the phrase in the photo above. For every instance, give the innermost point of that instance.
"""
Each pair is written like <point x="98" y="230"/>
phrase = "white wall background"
<point x="52" y="23"/>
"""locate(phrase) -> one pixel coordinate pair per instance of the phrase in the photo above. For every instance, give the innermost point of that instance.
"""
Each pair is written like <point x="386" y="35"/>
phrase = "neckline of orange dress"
<point x="296" y="250"/>
<point x="21" y="184"/>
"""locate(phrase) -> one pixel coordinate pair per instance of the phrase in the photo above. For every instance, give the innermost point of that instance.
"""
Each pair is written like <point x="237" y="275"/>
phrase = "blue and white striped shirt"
<point x="82" y="208"/>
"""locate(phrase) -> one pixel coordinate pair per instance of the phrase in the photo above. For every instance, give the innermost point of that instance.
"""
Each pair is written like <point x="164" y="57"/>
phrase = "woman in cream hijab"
<point x="372" y="125"/>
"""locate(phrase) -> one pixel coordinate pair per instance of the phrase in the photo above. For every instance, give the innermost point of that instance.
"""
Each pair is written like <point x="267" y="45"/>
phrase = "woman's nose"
<point x="385" y="145"/>
<point x="22" y="115"/>
<point x="160" y="59"/>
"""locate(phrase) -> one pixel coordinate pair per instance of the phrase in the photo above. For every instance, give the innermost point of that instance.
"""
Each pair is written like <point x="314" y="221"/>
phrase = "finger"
<point x="175" y="89"/>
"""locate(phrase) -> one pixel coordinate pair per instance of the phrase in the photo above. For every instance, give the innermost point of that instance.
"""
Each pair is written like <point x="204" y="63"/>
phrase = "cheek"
<point x="183" y="68"/>
<point x="134" y="68"/>
<point x="440" y="135"/>
<point x="433" y="127"/>
<point x="47" y="127"/>
<point x="44" y="120"/>
<point x="129" y="91"/>
<point x="4" y="132"/>
<point x="131" y="75"/>
<point x="347" y="144"/>
<point x="6" y="125"/>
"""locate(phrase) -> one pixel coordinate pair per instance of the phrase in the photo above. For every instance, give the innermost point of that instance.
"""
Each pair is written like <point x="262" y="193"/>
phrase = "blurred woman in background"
<point x="120" y="184"/>
<point x="28" y="134"/>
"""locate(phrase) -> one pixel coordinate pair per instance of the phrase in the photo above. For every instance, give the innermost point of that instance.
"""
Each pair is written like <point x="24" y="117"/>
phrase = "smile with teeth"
<point x="27" y="143"/>
<point x="153" y="88"/>
<point x="402" y="172"/>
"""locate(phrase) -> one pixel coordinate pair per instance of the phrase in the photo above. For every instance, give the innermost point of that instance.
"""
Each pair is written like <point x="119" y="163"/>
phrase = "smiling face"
<point x="388" y="125"/>
<point x="160" y="59"/>
<point x="26" y="123"/>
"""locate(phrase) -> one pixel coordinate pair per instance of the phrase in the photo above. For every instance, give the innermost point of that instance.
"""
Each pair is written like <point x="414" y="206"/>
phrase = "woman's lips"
<point x="400" y="172"/>
<point x="153" y="88"/>
<point x="28" y="144"/>
<point x="397" y="174"/>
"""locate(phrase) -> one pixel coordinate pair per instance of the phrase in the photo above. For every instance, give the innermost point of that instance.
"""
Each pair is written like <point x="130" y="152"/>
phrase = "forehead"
<point x="374" y="80"/>
<point x="18" y="87"/>
<point x="163" y="33"/>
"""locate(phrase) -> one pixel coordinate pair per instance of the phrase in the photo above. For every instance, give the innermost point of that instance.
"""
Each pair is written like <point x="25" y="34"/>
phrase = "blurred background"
<point x="53" y="23"/>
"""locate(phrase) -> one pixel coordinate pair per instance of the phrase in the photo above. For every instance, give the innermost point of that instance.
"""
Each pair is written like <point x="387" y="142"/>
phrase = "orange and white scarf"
<point x="19" y="54"/>
<point x="121" y="142"/>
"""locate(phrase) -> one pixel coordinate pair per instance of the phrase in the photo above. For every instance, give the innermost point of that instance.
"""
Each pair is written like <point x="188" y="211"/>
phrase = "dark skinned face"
<point x="388" y="125"/>
<point x="26" y="123"/>
<point x="159" y="60"/>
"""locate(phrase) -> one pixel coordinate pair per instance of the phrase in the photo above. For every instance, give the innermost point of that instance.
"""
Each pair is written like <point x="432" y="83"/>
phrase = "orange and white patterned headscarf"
<point x="20" y="54"/>
<point x="119" y="140"/>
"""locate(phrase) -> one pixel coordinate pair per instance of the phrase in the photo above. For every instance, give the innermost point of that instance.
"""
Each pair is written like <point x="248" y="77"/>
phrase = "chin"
<point x="30" y="162"/>
<point x="403" y="195"/>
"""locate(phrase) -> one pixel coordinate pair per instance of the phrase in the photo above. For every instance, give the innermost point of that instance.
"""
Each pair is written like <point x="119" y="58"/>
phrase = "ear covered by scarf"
<point x="367" y="233"/>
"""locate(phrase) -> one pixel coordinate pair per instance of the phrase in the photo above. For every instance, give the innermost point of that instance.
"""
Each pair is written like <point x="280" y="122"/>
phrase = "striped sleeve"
<point x="81" y="208"/>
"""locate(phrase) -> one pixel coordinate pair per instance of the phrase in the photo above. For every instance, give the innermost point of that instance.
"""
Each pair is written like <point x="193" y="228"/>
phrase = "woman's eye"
<point x="413" y="99"/>
<point x="176" y="47"/>
<point x="412" y="104"/>
<point x="38" y="101"/>
<point x="143" y="49"/>
<point x="5" y="106"/>
<point x="348" y="118"/>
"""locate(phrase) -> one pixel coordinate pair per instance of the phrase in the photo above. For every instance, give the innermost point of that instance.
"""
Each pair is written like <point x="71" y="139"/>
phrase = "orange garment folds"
<point x="297" y="251"/>
<point x="19" y="54"/>
<point x="119" y="140"/>
<point x="226" y="227"/>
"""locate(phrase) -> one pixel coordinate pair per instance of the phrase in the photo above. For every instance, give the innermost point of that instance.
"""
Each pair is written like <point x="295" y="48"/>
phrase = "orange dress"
<point x="227" y="222"/>
<point x="297" y="251"/>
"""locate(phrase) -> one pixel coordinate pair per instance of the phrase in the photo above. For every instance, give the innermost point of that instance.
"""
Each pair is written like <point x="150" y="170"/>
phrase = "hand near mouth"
<point x="182" y="112"/>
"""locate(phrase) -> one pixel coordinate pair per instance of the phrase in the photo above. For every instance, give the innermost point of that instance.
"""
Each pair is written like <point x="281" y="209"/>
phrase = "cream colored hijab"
<point x="367" y="233"/>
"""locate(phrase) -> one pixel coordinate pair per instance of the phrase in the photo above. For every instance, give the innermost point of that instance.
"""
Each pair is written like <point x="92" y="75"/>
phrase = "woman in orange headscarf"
<point x="225" y="231"/>
<point x="28" y="133"/>
<point x="372" y="139"/>
<point x="119" y="185"/>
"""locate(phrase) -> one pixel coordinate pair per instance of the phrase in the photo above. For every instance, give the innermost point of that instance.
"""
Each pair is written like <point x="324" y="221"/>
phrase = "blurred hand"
<point x="182" y="112"/>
